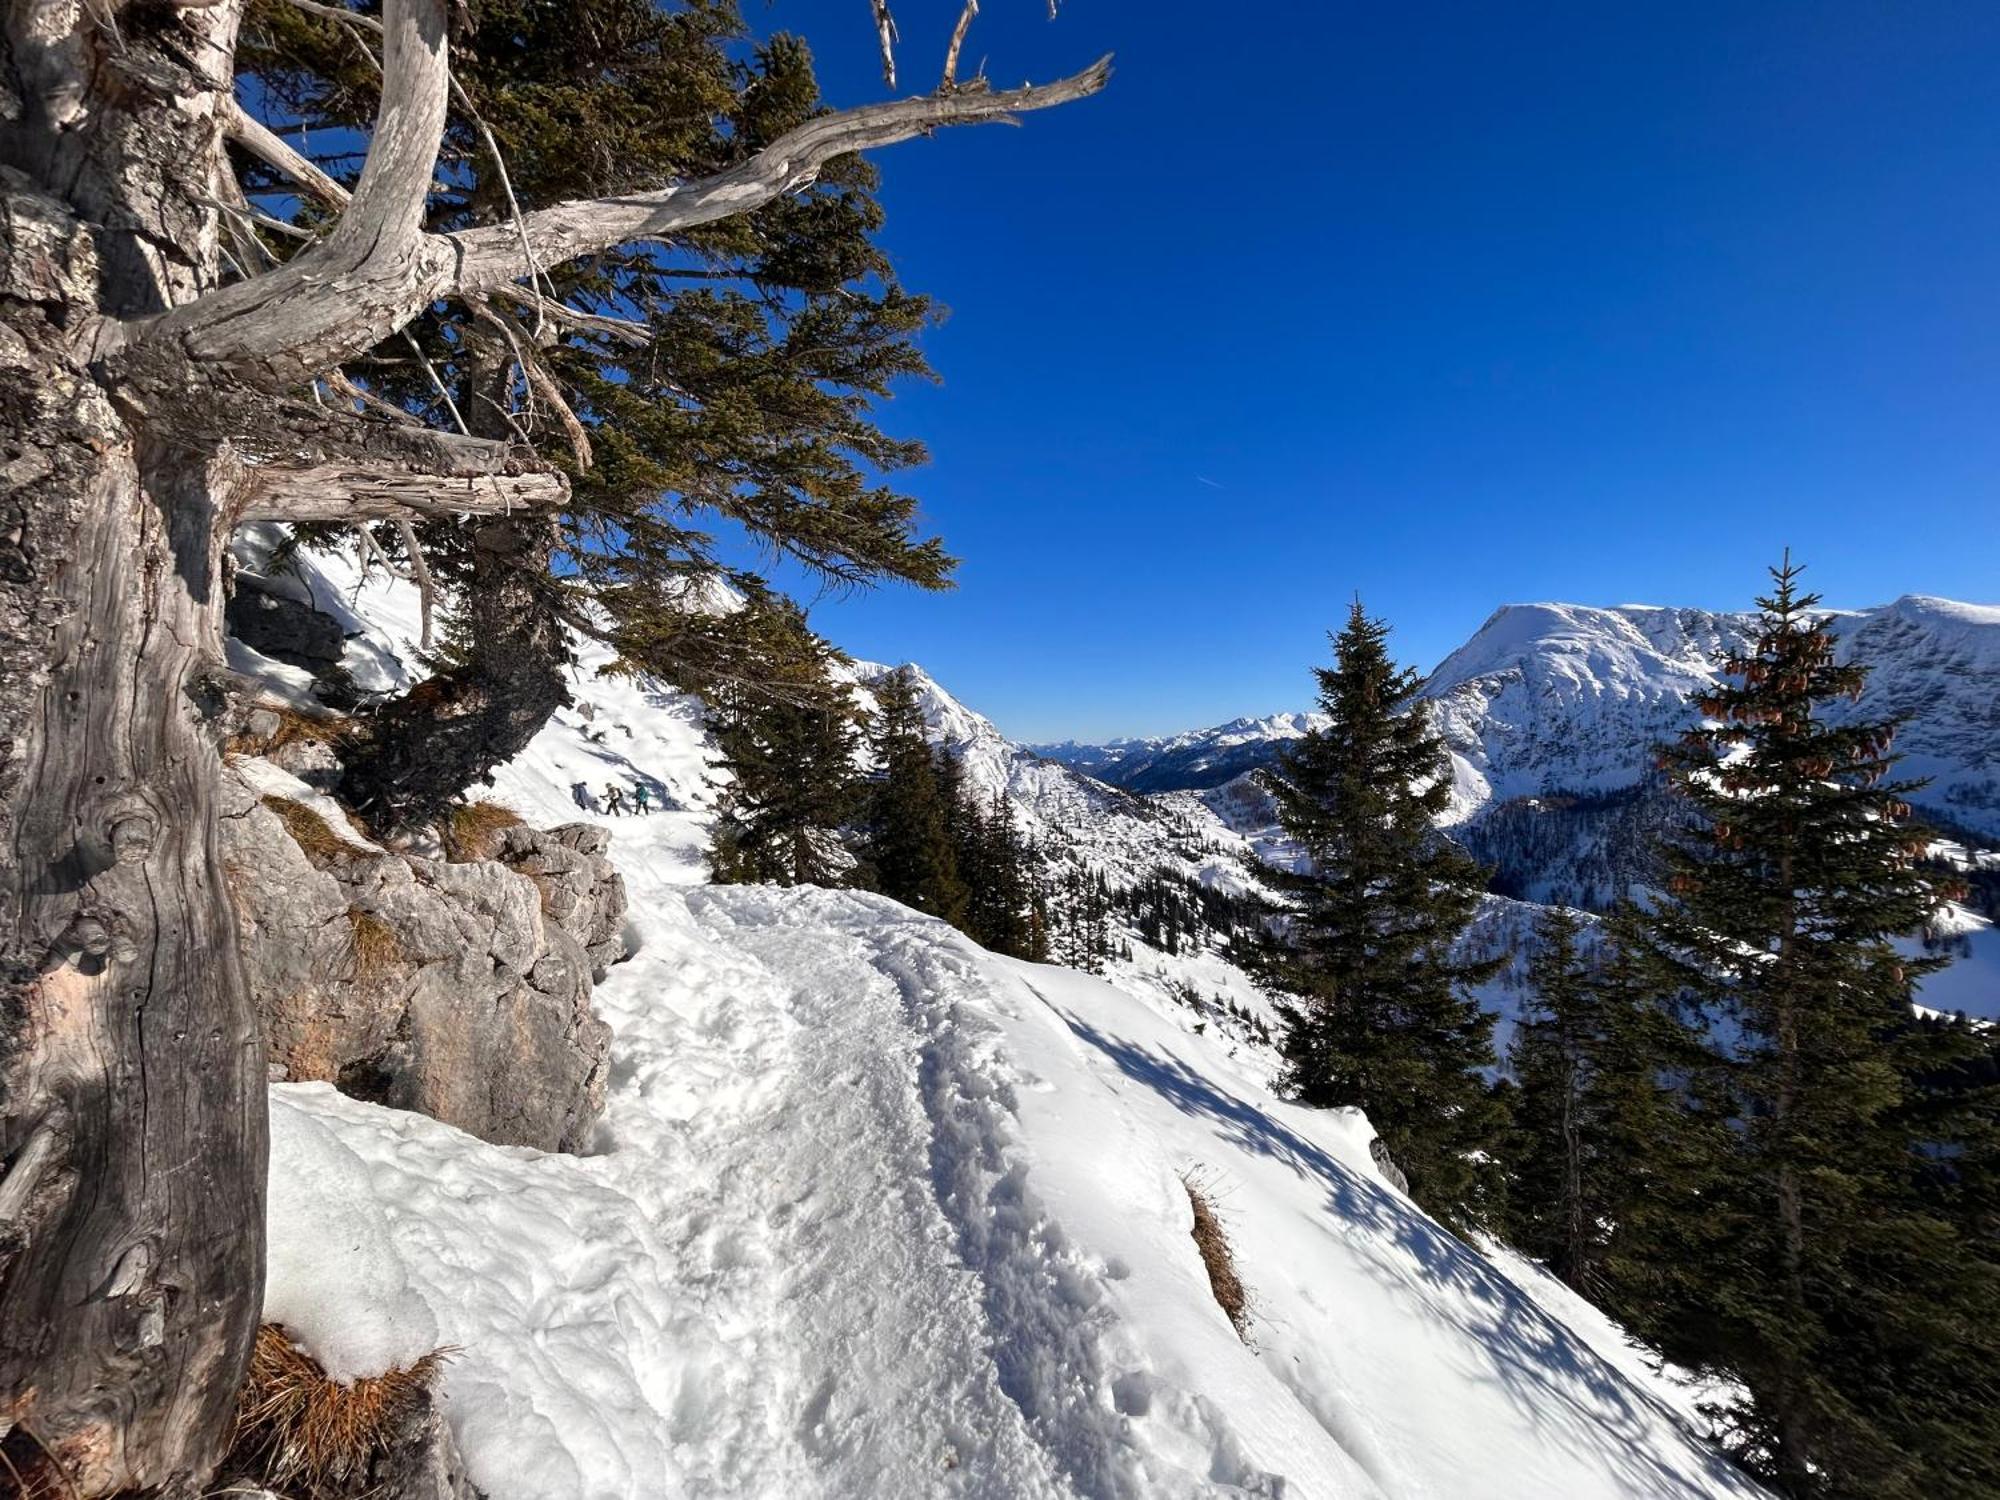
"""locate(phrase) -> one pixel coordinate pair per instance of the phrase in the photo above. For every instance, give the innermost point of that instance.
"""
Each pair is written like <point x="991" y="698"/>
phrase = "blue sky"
<point x="1453" y="304"/>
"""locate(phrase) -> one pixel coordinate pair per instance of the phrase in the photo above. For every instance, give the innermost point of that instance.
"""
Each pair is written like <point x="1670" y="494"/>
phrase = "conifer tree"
<point x="788" y="747"/>
<point x="1837" y="1287"/>
<point x="1603" y="1157"/>
<point x="730" y="372"/>
<point x="1552" y="1145"/>
<point x="1386" y="1022"/>
<point x="909" y="848"/>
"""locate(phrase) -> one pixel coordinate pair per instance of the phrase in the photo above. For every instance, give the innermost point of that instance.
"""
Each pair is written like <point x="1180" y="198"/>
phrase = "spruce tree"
<point x="788" y="748"/>
<point x="1386" y="1022"/>
<point x="1553" y="1144"/>
<point x="909" y="848"/>
<point x="1837" y="1287"/>
<point x="1604" y="1157"/>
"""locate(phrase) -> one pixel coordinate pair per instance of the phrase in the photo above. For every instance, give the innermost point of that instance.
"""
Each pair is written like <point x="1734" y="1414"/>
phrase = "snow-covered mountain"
<point x="874" y="1212"/>
<point x="1551" y="711"/>
<point x="1191" y="761"/>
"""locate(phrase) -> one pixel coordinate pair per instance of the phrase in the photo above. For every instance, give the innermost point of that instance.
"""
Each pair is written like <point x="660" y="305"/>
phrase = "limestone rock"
<point x="461" y="991"/>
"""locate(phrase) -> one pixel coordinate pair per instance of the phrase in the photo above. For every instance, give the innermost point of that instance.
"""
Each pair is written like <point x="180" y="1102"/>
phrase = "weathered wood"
<point x="336" y="491"/>
<point x="131" y="1073"/>
<point x="379" y="269"/>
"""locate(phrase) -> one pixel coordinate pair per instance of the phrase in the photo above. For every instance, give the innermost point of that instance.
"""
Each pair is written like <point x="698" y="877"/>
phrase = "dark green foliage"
<point x="1602" y="1157"/>
<point x="788" y="745"/>
<point x="737" y="386"/>
<point x="908" y="848"/>
<point x="1838" y="1282"/>
<point x="1384" y="1022"/>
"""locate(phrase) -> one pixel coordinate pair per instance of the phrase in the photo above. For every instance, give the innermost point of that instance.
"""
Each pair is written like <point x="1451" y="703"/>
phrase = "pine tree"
<point x="730" y="373"/>
<point x="1837" y="1286"/>
<point x="788" y="747"/>
<point x="1386" y="1022"/>
<point x="909" y="848"/>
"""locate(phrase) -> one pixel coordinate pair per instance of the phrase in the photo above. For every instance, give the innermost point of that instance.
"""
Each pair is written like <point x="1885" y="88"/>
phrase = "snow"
<point x="873" y="1212"/>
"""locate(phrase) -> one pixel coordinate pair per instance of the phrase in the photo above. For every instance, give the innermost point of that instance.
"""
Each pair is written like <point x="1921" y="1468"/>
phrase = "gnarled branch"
<point x="378" y="268"/>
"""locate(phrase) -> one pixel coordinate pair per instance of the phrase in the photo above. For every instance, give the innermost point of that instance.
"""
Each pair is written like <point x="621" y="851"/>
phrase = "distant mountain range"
<point x="1565" y="702"/>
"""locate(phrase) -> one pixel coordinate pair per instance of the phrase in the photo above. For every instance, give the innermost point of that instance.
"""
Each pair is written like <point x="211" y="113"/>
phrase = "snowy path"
<point x="877" y="1215"/>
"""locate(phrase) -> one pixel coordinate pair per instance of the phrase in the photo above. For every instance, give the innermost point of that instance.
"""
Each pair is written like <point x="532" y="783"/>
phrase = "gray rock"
<point x="269" y="620"/>
<point x="461" y="991"/>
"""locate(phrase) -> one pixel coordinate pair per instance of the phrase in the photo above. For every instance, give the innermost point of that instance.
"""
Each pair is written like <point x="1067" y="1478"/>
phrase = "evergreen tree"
<point x="1837" y="1286"/>
<point x="909" y="847"/>
<point x="788" y="746"/>
<point x="1552" y="1145"/>
<point x="1386" y="1022"/>
<point x="1601" y="1171"/>
<point x="729" y="374"/>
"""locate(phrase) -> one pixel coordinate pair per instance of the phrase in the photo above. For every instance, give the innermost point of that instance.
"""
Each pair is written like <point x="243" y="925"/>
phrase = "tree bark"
<point x="132" y="1142"/>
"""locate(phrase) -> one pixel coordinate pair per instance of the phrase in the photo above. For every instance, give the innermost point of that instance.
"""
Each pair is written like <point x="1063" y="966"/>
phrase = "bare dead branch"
<point x="491" y="255"/>
<point x="254" y="136"/>
<point x="348" y="491"/>
<point x="885" y="34"/>
<point x="420" y="575"/>
<point x="626" y="330"/>
<point x="957" y="41"/>
<point x="541" y="384"/>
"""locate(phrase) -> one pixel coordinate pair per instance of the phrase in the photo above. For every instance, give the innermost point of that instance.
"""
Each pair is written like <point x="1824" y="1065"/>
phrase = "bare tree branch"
<point x="957" y="41"/>
<point x="349" y="491"/>
<point x="254" y="136"/>
<point x="420" y="575"/>
<point x="885" y="33"/>
<point x="378" y="268"/>
<point x="368" y="277"/>
<point x="571" y="230"/>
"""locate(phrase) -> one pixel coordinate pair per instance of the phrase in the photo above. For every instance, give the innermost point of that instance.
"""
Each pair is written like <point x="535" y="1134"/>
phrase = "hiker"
<point x="580" y="795"/>
<point x="640" y="795"/>
<point x="614" y="799"/>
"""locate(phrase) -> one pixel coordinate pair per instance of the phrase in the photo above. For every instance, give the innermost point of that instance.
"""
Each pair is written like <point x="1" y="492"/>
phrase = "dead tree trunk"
<point x="131" y="1099"/>
<point x="147" y="404"/>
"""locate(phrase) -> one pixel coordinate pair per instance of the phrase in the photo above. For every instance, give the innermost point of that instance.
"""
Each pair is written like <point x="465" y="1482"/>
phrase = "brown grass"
<point x="310" y="831"/>
<point x="1213" y="1243"/>
<point x="307" y="1436"/>
<point x="293" y="726"/>
<point x="474" y="830"/>
<point x="377" y="949"/>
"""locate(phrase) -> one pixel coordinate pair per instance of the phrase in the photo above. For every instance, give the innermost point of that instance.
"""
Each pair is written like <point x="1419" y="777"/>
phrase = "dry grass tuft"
<point x="377" y="949"/>
<point x="473" y="831"/>
<point x="306" y="1436"/>
<point x="310" y="831"/>
<point x="293" y="726"/>
<point x="1216" y="1255"/>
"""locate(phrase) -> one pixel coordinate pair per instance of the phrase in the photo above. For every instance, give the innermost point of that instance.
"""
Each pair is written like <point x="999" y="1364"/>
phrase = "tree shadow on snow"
<point x="1564" y="1389"/>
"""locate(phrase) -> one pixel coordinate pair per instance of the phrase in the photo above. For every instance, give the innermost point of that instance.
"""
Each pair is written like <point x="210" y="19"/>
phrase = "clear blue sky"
<point x="1454" y="304"/>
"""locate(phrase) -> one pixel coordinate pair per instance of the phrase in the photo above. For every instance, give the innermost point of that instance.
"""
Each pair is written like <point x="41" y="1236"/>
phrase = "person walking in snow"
<point x="614" y="799"/>
<point x="640" y="796"/>
<point x="580" y="794"/>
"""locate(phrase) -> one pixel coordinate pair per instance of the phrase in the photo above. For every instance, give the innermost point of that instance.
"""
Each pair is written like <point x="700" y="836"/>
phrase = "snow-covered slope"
<point x="878" y="1214"/>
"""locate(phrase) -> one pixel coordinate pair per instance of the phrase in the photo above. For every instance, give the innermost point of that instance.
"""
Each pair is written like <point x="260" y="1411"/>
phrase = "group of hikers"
<point x="614" y="798"/>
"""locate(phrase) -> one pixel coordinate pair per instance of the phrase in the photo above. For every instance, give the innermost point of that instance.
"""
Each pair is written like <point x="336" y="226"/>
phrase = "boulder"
<point x="461" y="991"/>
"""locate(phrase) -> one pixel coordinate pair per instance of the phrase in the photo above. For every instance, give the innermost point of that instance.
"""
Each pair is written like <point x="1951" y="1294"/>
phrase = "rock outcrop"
<point x="459" y="990"/>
